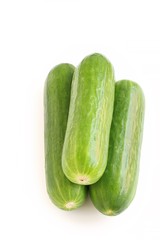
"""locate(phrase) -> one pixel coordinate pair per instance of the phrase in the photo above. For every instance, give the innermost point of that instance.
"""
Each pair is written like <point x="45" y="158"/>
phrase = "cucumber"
<point x="63" y="193"/>
<point x="113" y="193"/>
<point x="90" y="114"/>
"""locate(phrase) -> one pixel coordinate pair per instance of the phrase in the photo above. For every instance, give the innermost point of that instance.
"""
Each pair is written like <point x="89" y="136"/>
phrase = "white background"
<point x="34" y="37"/>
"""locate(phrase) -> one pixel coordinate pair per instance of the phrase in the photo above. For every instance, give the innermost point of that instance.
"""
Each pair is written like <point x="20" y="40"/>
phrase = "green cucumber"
<point x="63" y="193"/>
<point x="90" y="114"/>
<point x="116" y="189"/>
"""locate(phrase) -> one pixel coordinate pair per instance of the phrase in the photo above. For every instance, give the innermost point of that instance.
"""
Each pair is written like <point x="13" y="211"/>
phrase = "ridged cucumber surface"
<point x="91" y="107"/>
<point x="115" y="190"/>
<point x="63" y="193"/>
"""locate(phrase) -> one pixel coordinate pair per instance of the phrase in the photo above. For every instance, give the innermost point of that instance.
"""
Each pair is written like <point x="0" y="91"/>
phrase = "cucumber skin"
<point x="113" y="193"/>
<point x="56" y="106"/>
<point x="91" y="107"/>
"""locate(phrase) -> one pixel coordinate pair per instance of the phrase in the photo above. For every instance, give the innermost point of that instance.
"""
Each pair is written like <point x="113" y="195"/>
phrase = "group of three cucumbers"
<point x="93" y="133"/>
